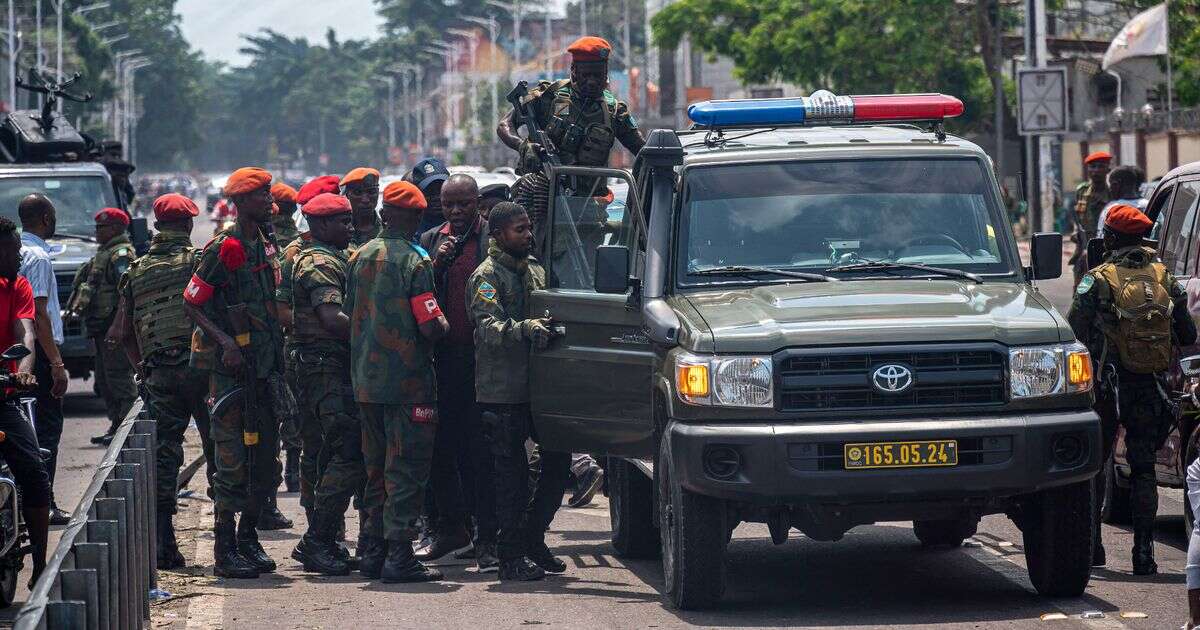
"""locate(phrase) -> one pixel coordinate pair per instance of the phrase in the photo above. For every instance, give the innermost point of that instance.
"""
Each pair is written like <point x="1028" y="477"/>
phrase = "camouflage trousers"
<point x="289" y="428"/>
<point x="328" y="401"/>
<point x="397" y="443"/>
<point x="174" y="395"/>
<point x="238" y="487"/>
<point x="114" y="381"/>
<point x="1147" y="418"/>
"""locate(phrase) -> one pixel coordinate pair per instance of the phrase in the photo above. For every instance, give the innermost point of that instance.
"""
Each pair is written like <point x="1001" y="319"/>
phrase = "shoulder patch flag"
<point x="487" y="292"/>
<point x="1085" y="284"/>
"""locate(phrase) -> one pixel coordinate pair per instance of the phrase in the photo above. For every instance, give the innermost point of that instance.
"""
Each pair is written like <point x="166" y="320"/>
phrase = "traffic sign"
<point x="1042" y="101"/>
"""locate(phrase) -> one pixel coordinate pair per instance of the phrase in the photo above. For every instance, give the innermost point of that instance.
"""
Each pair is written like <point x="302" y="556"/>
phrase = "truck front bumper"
<point x="802" y="462"/>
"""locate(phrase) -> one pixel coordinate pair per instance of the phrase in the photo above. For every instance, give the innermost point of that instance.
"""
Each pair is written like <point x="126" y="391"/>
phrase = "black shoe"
<point x="291" y="470"/>
<point x="485" y="558"/>
<point x="227" y="562"/>
<point x="104" y="439"/>
<point x="1143" y="547"/>
<point x="1099" y="558"/>
<point x="520" y="570"/>
<point x="589" y="484"/>
<point x="299" y="550"/>
<point x="250" y="548"/>
<point x="540" y="554"/>
<point x="371" y="554"/>
<point x="443" y="543"/>
<point x="466" y="553"/>
<point x="402" y="566"/>
<point x="272" y="519"/>
<point x="168" y="550"/>
<point x="57" y="516"/>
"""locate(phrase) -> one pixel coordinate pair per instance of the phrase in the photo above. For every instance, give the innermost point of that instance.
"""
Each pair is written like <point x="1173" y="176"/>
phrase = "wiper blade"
<point x="738" y="270"/>
<point x="82" y="237"/>
<point x="882" y="265"/>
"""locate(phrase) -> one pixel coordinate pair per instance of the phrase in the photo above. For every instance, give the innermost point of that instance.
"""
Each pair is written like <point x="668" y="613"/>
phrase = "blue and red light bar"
<point x="824" y="108"/>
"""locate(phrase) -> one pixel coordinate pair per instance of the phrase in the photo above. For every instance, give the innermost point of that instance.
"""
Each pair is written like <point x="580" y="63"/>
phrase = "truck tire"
<point x="631" y="511"/>
<point x="1115" y="508"/>
<point x="945" y="532"/>
<point x="1058" y="539"/>
<point x="693" y="533"/>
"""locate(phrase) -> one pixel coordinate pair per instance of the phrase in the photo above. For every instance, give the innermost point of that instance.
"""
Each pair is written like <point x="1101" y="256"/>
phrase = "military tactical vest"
<point x="583" y="138"/>
<point x="1141" y="305"/>
<point x="156" y="281"/>
<point x="98" y="311"/>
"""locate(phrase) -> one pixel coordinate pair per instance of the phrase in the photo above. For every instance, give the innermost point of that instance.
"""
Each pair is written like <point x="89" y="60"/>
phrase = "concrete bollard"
<point x="94" y="556"/>
<point x="105" y="531"/>
<point x="80" y="585"/>
<point x="71" y="614"/>
<point x="114" y="508"/>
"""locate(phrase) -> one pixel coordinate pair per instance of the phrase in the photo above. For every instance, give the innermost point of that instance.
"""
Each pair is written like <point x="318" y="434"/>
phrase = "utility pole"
<point x="12" y="57"/>
<point x="391" y="107"/>
<point x="998" y="86"/>
<point x="1033" y="196"/>
<point x="546" y="47"/>
<point x="513" y="8"/>
<point x="37" y="56"/>
<point x="583" y="29"/>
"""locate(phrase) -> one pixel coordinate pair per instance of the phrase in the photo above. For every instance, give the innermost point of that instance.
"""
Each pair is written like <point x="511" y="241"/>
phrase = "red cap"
<point x="590" y="48"/>
<point x="1096" y="156"/>
<point x="282" y="192"/>
<point x="174" y="207"/>
<point x="322" y="184"/>
<point x="404" y="195"/>
<point x="327" y="205"/>
<point x="109" y="216"/>
<point x="244" y="180"/>
<point x="1127" y="220"/>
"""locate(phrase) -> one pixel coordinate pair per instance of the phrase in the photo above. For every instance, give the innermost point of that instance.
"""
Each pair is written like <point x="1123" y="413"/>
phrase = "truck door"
<point x="591" y="390"/>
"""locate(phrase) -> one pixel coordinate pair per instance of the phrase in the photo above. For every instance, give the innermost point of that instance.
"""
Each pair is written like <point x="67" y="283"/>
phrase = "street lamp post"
<point x="513" y="8"/>
<point x="445" y="51"/>
<point x="468" y="84"/>
<point x="131" y="105"/>
<point x="58" y="10"/>
<point x="391" y="108"/>
<point x="490" y="23"/>
<point x="118" y="77"/>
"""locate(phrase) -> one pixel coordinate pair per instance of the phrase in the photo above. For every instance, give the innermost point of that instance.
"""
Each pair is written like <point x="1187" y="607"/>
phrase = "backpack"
<point x="1142" y="309"/>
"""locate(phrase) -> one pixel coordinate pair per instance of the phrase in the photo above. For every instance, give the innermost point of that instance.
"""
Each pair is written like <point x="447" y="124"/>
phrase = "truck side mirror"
<point x="1045" y="256"/>
<point x="612" y="269"/>
<point x="139" y="233"/>
<point x="1095" y="252"/>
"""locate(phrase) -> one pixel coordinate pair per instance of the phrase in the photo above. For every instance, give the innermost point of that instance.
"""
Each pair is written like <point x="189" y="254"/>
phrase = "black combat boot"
<point x="271" y="518"/>
<point x="320" y="553"/>
<point x="1143" y="547"/>
<point x="485" y="557"/>
<point x="371" y="553"/>
<point x="228" y="562"/>
<point x="248" y="545"/>
<point x="537" y="551"/>
<point x="402" y="566"/>
<point x="298" y="550"/>
<point x="168" y="550"/>
<point x="520" y="570"/>
<point x="291" y="470"/>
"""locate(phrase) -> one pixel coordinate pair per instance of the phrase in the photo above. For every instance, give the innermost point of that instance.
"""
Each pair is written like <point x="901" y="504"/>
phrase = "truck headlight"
<point x="735" y="381"/>
<point x="1048" y="370"/>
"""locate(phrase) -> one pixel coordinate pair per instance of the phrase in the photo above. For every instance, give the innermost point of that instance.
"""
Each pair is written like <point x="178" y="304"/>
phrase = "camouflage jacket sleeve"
<point x="625" y="128"/>
<point x="493" y="324"/>
<point x="212" y="277"/>
<point x="1085" y="312"/>
<point x="121" y="259"/>
<point x="319" y="277"/>
<point x="1182" y="324"/>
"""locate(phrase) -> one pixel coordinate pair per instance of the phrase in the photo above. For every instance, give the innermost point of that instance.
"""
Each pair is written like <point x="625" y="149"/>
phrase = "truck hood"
<point x="67" y="254"/>
<point x="768" y="318"/>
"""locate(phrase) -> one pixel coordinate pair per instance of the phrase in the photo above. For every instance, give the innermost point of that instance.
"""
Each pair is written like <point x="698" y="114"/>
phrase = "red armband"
<point x="425" y="308"/>
<point x="198" y="292"/>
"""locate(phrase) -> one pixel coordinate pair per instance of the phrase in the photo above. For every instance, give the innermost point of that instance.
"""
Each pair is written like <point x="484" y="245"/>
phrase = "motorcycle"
<point x="14" y="534"/>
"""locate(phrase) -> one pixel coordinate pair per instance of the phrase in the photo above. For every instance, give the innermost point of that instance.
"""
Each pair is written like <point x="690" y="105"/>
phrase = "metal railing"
<point x="102" y="571"/>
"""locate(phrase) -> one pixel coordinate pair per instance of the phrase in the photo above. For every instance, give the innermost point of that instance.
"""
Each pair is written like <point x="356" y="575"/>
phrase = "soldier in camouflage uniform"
<point x="238" y="272"/>
<point x="94" y="299"/>
<point x="497" y="299"/>
<point x="282" y="223"/>
<point x="395" y="320"/>
<point x="1131" y="371"/>
<point x="320" y="350"/>
<point x="156" y="334"/>
<point x="581" y="118"/>
<point x="1090" y="198"/>
<point x="361" y="187"/>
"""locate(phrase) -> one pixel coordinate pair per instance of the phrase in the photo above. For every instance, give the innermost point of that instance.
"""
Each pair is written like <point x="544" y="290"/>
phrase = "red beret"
<point x="173" y="207"/>
<point x="404" y="195"/>
<point x="361" y="174"/>
<point x="109" y="216"/>
<point x="244" y="180"/>
<point x="322" y="184"/>
<point x="1096" y="156"/>
<point x="282" y="192"/>
<point x="1127" y="220"/>
<point x="590" y="48"/>
<point x="327" y="205"/>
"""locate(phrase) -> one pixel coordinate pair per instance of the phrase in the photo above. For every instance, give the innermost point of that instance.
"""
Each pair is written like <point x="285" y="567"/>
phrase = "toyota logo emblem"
<point x="892" y="378"/>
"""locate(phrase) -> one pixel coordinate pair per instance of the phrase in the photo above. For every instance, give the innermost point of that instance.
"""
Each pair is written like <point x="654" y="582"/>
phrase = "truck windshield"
<point x="76" y="198"/>
<point x="822" y="215"/>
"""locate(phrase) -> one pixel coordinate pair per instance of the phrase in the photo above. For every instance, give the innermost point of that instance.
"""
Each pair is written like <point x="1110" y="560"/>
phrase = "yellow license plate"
<point x="918" y="454"/>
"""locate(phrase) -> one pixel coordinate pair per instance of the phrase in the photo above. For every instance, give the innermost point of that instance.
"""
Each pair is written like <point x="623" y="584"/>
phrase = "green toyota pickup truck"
<point x="812" y="313"/>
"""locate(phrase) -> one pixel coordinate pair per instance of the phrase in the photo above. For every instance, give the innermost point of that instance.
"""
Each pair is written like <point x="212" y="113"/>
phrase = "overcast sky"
<point x="216" y="26"/>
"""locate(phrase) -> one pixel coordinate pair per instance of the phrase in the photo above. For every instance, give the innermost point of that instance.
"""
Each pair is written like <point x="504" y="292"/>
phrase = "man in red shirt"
<point x="19" y="446"/>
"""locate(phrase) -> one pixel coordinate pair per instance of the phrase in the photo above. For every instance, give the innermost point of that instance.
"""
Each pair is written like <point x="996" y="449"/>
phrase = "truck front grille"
<point x="943" y="377"/>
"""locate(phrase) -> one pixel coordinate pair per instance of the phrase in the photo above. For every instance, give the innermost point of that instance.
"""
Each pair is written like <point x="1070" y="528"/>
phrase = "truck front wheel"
<point x="693" y="540"/>
<point x="1057" y="527"/>
<point x="631" y="510"/>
